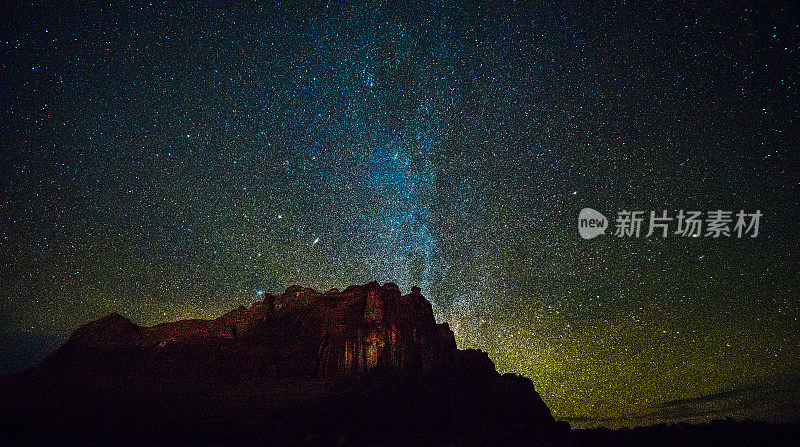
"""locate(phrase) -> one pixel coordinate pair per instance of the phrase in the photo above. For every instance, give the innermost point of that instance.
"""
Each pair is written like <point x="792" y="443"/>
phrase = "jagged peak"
<point x="297" y="290"/>
<point x="294" y="296"/>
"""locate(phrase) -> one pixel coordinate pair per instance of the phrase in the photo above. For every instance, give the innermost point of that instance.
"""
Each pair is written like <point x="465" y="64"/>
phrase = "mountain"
<point x="364" y="365"/>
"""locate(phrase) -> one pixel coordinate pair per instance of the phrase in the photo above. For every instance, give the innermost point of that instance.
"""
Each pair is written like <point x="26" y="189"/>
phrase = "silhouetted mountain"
<point x="365" y="365"/>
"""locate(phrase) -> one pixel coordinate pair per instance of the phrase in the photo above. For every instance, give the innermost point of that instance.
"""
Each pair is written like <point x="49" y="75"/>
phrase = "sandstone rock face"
<point x="392" y="332"/>
<point x="361" y="358"/>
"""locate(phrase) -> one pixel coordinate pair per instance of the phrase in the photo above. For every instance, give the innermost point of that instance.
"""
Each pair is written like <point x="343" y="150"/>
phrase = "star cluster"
<point x="176" y="160"/>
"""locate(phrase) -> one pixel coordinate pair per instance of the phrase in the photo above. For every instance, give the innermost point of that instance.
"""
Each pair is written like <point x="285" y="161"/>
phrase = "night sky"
<point x="170" y="161"/>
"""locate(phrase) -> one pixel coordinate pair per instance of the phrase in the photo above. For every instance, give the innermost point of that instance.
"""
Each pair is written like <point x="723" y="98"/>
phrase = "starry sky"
<point x="171" y="160"/>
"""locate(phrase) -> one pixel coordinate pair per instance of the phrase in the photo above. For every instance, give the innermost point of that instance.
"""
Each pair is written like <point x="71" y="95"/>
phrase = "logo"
<point x="591" y="223"/>
<point x="714" y="224"/>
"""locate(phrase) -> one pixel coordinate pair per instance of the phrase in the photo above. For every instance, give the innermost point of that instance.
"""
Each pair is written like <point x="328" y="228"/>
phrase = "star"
<point x="441" y="146"/>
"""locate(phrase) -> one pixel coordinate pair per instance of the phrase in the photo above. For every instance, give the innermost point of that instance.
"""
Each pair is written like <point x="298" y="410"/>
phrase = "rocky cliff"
<point x="365" y="361"/>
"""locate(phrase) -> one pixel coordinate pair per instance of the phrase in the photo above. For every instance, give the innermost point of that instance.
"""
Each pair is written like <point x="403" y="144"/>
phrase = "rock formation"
<point x="362" y="362"/>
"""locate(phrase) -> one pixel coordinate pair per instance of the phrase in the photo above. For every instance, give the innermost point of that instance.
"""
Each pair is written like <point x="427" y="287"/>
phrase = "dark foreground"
<point x="65" y="429"/>
<point x="364" y="366"/>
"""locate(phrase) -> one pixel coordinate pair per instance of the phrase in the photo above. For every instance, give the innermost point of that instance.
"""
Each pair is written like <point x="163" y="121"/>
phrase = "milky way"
<point x="171" y="161"/>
